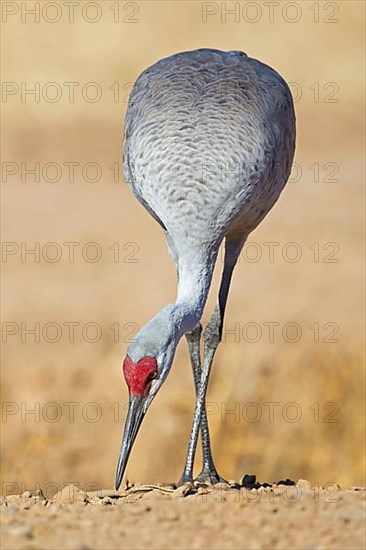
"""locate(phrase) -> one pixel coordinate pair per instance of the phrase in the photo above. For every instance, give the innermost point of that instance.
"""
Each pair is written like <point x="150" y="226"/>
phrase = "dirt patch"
<point x="193" y="516"/>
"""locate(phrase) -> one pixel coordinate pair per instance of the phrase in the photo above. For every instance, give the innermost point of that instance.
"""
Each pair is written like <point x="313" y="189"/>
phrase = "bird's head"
<point x="148" y="361"/>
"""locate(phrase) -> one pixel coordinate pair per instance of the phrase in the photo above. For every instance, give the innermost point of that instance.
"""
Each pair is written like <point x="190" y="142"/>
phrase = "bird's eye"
<point x="151" y="376"/>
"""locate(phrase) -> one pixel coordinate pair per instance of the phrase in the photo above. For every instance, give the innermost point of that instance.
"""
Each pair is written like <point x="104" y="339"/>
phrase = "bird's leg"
<point x="209" y="472"/>
<point x="211" y="337"/>
<point x="193" y="340"/>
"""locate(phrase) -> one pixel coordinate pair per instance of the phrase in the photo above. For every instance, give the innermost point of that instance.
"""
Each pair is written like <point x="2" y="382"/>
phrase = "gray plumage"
<point x="209" y="144"/>
<point x="210" y="139"/>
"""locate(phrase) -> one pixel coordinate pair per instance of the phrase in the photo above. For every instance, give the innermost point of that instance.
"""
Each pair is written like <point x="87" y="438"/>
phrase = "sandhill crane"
<point x="209" y="144"/>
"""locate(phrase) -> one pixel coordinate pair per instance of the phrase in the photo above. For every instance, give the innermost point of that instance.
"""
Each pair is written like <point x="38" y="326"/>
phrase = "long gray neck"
<point x="193" y="287"/>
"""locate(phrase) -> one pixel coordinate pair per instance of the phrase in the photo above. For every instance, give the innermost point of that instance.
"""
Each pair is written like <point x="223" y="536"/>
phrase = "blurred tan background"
<point x="309" y="376"/>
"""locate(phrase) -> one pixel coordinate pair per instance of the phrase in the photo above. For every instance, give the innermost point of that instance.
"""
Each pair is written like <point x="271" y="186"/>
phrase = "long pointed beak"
<point x="134" y="418"/>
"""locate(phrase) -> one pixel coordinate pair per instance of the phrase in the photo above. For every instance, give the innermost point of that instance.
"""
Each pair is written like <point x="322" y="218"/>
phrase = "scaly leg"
<point x="211" y="337"/>
<point x="193" y="340"/>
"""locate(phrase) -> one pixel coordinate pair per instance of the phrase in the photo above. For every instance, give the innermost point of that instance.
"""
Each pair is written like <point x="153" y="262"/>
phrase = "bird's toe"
<point x="185" y="479"/>
<point x="211" y="478"/>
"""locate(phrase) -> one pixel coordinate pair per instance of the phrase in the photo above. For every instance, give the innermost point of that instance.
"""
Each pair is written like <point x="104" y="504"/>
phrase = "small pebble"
<point x="69" y="495"/>
<point x="303" y="484"/>
<point x="248" y="481"/>
<point x="286" y="482"/>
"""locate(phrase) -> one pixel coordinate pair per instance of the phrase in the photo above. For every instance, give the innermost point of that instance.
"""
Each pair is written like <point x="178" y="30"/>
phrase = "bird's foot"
<point x="185" y="479"/>
<point x="210" y="477"/>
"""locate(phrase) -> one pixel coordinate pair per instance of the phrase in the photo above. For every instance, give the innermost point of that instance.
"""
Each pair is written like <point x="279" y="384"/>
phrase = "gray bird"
<point x="209" y="144"/>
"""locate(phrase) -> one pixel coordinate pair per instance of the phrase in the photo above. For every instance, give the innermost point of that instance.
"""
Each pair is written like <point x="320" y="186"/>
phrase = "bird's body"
<point x="209" y="143"/>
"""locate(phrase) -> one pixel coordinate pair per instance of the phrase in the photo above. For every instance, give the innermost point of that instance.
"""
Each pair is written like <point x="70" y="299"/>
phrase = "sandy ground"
<point x="148" y="516"/>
